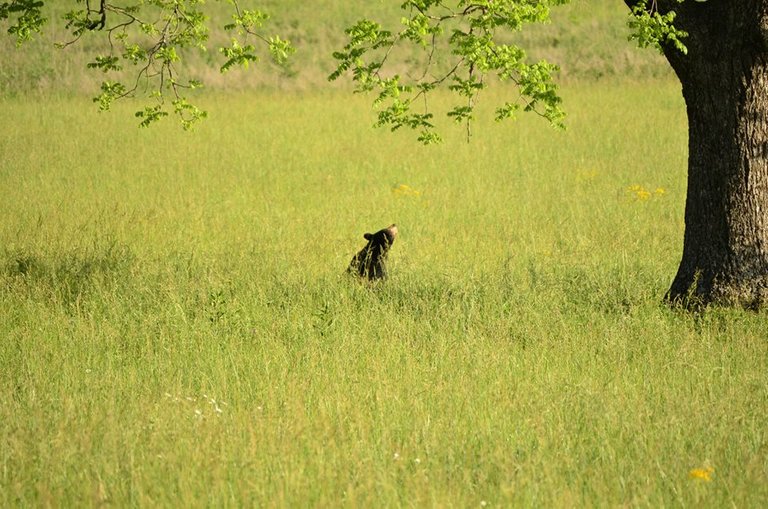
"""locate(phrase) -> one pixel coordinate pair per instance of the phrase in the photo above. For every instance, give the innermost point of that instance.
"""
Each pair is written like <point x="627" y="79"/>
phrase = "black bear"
<point x="370" y="262"/>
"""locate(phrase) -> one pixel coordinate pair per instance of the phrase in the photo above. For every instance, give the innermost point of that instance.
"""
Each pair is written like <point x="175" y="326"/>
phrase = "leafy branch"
<point x="470" y="32"/>
<point x="652" y="27"/>
<point x="152" y="36"/>
<point x="26" y="18"/>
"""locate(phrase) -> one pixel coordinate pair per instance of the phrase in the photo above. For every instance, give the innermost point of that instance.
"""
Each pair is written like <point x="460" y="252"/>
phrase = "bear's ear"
<point x="368" y="236"/>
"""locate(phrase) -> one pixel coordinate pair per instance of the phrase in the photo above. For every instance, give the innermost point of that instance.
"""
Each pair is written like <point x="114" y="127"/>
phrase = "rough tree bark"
<point x="724" y="81"/>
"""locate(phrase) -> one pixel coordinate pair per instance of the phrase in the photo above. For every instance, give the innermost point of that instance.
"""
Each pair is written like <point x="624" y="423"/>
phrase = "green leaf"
<point x="110" y="91"/>
<point x="150" y="114"/>
<point x="280" y="50"/>
<point x="106" y="64"/>
<point x="238" y="55"/>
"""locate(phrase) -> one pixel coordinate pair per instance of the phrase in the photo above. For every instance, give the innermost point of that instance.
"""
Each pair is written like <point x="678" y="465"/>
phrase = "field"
<point x="177" y="330"/>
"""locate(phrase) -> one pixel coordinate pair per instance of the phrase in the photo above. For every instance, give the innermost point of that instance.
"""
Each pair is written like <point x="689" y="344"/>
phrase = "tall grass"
<point x="176" y="328"/>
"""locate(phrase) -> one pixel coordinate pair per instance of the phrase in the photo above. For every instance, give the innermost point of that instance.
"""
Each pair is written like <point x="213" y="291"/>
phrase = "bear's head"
<point x="384" y="237"/>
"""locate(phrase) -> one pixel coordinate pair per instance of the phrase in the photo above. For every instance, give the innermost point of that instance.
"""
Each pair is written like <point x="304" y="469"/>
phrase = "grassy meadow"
<point x="177" y="330"/>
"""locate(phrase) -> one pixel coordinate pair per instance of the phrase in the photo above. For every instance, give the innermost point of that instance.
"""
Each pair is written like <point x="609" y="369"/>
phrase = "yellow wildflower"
<point x="702" y="474"/>
<point x="405" y="190"/>
<point x="660" y="191"/>
<point x="639" y="192"/>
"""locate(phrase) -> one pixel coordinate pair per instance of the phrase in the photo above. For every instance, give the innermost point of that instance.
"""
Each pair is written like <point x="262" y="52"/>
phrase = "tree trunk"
<point x="724" y="81"/>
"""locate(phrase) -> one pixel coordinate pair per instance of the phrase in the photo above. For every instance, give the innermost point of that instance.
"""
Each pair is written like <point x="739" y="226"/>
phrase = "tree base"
<point x="698" y="292"/>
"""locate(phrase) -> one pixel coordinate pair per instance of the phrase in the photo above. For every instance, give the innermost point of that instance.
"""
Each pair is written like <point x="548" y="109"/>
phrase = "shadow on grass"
<point x="65" y="278"/>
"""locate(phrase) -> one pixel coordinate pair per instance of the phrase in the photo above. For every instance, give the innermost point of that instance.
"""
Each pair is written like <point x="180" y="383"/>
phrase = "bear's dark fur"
<point x="370" y="262"/>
